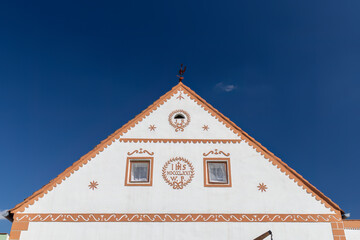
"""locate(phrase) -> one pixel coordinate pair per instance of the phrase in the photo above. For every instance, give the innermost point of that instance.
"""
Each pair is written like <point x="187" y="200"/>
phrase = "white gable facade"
<point x="198" y="177"/>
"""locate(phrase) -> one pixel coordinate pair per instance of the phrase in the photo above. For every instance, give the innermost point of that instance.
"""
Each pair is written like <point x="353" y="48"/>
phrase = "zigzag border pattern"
<point x="144" y="217"/>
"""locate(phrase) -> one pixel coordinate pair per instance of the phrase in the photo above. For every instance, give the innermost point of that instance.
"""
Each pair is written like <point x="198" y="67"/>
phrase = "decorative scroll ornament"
<point x="141" y="151"/>
<point x="216" y="152"/>
<point x="178" y="172"/>
<point x="179" y="119"/>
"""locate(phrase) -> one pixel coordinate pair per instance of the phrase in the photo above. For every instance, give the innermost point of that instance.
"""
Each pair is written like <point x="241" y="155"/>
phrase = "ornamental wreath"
<point x="175" y="183"/>
<point x="179" y="126"/>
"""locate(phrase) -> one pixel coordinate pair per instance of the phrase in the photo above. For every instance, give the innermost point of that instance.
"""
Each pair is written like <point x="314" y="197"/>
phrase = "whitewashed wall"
<point x="352" y="234"/>
<point x="176" y="231"/>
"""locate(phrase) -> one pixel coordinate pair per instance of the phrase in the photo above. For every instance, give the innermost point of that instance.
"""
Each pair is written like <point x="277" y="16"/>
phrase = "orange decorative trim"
<point x="128" y="171"/>
<point x="141" y="151"/>
<point x="16" y="229"/>
<point x="177" y="140"/>
<point x="338" y="230"/>
<point x="216" y="153"/>
<point x="292" y="174"/>
<point x="175" y="217"/>
<point x="207" y="182"/>
<point x="352" y="224"/>
<point x="180" y="176"/>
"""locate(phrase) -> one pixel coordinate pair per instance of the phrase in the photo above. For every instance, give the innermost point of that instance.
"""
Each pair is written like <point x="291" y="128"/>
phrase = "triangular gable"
<point x="196" y="122"/>
<point x="120" y="133"/>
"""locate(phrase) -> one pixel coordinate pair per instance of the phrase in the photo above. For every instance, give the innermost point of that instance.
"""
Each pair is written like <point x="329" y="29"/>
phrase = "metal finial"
<point x="181" y="73"/>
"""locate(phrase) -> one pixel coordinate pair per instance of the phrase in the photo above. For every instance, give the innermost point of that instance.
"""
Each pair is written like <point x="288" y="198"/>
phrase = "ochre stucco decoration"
<point x="152" y="127"/>
<point x="175" y="217"/>
<point x="141" y="151"/>
<point x="205" y="128"/>
<point x="179" y="119"/>
<point x="262" y="187"/>
<point x="178" y="172"/>
<point x="216" y="152"/>
<point x="180" y="96"/>
<point x="93" y="185"/>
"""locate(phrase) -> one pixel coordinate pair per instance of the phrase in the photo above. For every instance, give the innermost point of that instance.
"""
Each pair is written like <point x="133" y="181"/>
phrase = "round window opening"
<point x="179" y="116"/>
<point x="179" y="119"/>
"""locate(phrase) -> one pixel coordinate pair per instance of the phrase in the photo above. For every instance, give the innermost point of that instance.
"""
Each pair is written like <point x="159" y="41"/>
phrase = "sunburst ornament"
<point x="93" y="185"/>
<point x="262" y="187"/>
<point x="205" y="128"/>
<point x="152" y="127"/>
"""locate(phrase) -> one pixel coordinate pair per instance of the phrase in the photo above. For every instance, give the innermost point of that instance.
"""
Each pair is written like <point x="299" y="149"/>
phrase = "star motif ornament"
<point x="152" y="127"/>
<point x="205" y="128"/>
<point x="262" y="187"/>
<point x="93" y="185"/>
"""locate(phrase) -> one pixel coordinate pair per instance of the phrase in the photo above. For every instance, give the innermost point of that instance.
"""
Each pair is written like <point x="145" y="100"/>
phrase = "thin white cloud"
<point x="225" y="87"/>
<point x="3" y="214"/>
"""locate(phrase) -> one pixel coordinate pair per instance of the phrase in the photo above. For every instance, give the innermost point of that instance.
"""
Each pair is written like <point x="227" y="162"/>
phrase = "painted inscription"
<point x="178" y="172"/>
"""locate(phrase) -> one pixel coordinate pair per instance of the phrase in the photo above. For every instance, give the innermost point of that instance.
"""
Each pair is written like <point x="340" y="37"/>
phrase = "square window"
<point x="139" y="171"/>
<point x="217" y="172"/>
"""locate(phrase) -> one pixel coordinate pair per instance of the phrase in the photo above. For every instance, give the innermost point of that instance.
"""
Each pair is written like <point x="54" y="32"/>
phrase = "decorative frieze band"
<point x="98" y="217"/>
<point x="159" y="140"/>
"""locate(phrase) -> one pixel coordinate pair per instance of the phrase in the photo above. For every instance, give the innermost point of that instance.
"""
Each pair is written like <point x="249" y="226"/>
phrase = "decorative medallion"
<point x="178" y="172"/>
<point x="262" y="187"/>
<point x="179" y="119"/>
<point x="93" y="185"/>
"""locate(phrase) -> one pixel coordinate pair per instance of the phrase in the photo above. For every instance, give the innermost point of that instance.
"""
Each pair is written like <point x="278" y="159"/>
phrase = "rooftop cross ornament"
<point x="181" y="73"/>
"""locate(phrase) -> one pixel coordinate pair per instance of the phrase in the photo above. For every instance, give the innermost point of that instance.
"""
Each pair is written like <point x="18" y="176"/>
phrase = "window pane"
<point x="139" y="172"/>
<point x="217" y="172"/>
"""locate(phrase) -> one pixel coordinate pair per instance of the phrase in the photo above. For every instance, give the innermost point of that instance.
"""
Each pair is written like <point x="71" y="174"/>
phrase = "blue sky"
<point x="286" y="72"/>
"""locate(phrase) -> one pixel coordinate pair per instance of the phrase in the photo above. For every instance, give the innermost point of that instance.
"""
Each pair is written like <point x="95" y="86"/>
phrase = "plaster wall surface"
<point x="248" y="169"/>
<point x="352" y="234"/>
<point x="176" y="231"/>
